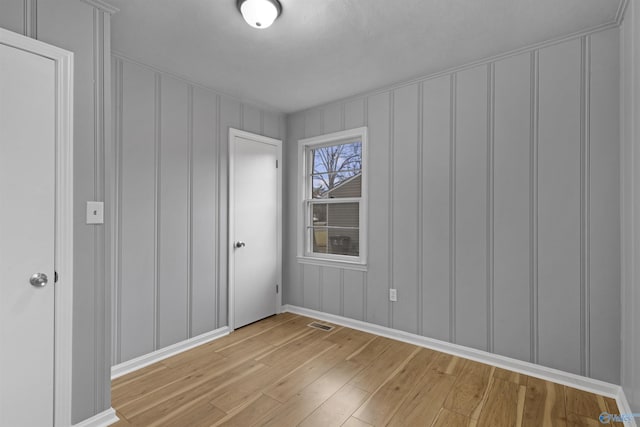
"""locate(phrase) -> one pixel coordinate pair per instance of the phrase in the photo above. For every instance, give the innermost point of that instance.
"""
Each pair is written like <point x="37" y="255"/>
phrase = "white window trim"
<point x="329" y="260"/>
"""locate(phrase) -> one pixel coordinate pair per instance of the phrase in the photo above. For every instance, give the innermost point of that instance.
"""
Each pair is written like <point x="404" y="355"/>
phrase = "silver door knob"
<point x="39" y="280"/>
<point x="240" y="244"/>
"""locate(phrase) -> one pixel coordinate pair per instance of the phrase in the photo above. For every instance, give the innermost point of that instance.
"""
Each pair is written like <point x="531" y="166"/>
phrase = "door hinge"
<point x="276" y="164"/>
<point x="55" y="277"/>
<point x="277" y="289"/>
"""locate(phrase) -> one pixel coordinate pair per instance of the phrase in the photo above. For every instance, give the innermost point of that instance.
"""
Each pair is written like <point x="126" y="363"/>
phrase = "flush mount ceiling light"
<point x="259" y="13"/>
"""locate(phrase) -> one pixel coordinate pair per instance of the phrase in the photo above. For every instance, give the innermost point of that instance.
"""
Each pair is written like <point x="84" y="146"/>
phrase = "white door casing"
<point x="255" y="209"/>
<point x="36" y="232"/>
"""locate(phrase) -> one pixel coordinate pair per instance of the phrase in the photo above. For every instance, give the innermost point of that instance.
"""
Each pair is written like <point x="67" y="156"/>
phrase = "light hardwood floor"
<point x="280" y="372"/>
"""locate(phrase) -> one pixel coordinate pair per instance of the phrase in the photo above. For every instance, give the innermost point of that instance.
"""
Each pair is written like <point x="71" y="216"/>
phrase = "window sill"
<point x="332" y="263"/>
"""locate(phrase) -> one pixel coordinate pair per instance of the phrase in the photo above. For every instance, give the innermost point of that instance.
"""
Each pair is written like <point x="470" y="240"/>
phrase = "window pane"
<point x="319" y="189"/>
<point x="336" y="241"/>
<point x="335" y="214"/>
<point x="319" y="214"/>
<point x="320" y="240"/>
<point x="337" y="185"/>
<point x="337" y="158"/>
<point x="344" y="241"/>
<point x="343" y="215"/>
<point x="336" y="170"/>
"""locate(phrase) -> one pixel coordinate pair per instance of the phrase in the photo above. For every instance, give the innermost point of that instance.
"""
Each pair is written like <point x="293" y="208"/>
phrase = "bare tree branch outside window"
<point x="334" y="164"/>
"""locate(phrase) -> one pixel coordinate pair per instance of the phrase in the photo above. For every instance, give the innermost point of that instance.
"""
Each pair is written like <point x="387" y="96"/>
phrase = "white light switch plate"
<point x="95" y="212"/>
<point x="393" y="295"/>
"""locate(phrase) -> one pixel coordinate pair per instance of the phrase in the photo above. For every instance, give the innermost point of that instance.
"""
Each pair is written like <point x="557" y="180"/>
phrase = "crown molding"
<point x="102" y="6"/>
<point x="622" y="8"/>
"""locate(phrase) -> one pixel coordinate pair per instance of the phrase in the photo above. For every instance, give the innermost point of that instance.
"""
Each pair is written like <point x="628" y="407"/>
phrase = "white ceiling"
<point x="323" y="50"/>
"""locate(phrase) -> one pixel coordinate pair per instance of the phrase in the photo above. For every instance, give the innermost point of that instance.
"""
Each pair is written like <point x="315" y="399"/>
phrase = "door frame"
<point x="233" y="133"/>
<point x="63" y="228"/>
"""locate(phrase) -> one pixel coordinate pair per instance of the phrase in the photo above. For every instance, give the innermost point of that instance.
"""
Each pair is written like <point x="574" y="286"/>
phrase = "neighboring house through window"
<point x="333" y="209"/>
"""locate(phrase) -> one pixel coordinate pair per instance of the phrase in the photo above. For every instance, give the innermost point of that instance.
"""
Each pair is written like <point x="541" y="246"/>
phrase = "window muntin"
<point x="334" y="209"/>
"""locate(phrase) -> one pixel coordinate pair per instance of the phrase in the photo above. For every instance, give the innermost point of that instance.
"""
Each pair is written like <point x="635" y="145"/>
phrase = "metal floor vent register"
<point x="320" y="326"/>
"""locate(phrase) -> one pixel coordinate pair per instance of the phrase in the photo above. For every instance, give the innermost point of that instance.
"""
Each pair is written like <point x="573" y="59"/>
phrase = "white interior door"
<point x="27" y="194"/>
<point x="254" y="227"/>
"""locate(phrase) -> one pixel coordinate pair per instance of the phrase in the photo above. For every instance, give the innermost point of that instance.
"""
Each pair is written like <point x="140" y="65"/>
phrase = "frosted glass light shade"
<point x="259" y="13"/>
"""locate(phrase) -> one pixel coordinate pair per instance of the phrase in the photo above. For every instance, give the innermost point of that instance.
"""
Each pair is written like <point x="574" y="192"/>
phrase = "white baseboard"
<point x="625" y="408"/>
<point x="158" y="355"/>
<point x="549" y="374"/>
<point x="103" y="419"/>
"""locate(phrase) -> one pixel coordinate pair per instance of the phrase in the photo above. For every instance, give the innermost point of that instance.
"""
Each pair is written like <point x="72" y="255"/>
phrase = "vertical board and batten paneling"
<point x="272" y="124"/>
<point x="405" y="207"/>
<point x="471" y="208"/>
<point x="436" y="212"/>
<point x="379" y="273"/>
<point x="137" y="228"/>
<point x="12" y="16"/>
<point x="354" y="282"/>
<point x="77" y="28"/>
<point x="328" y="289"/>
<point x="333" y="118"/>
<point x="252" y="119"/>
<point x="559" y="156"/>
<point x="331" y="278"/>
<point x="311" y="279"/>
<point x="172" y="197"/>
<point x="512" y="207"/>
<point x="331" y="290"/>
<point x="312" y="286"/>
<point x="354" y="294"/>
<point x="230" y="116"/>
<point x="314" y="123"/>
<point x="204" y="190"/>
<point x="103" y="189"/>
<point x="604" y="203"/>
<point x="84" y="30"/>
<point x="354" y="114"/>
<point x="173" y="205"/>
<point x="292" y="271"/>
<point x="493" y="207"/>
<point x="629" y="33"/>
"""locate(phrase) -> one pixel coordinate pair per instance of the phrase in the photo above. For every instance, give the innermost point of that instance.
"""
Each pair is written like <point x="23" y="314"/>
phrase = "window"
<point x="333" y="208"/>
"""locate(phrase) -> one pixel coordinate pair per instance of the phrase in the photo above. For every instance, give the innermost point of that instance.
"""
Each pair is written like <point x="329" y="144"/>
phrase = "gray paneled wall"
<point x="493" y="207"/>
<point x="171" y="174"/>
<point x="84" y="30"/>
<point x="630" y="175"/>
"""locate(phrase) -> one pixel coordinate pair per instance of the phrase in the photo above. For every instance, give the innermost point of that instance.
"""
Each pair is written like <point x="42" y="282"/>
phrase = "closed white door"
<point x="254" y="229"/>
<point x="27" y="184"/>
